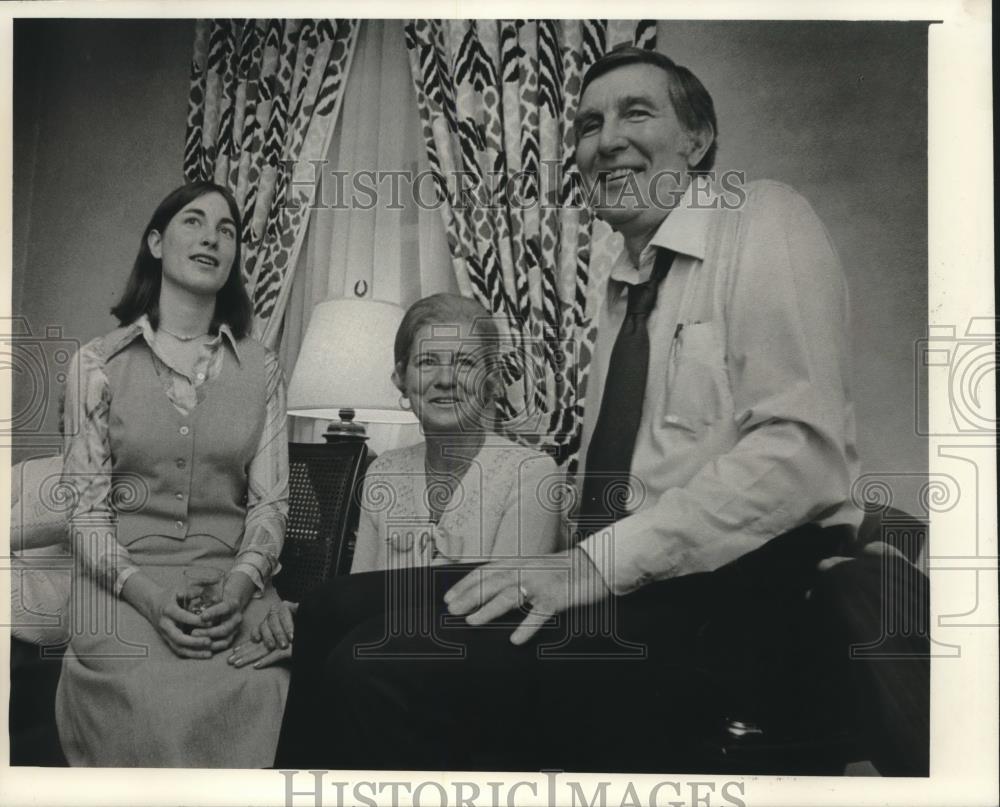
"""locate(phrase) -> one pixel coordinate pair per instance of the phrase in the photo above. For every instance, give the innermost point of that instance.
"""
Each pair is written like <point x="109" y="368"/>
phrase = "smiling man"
<point x="643" y="129"/>
<point x="722" y="354"/>
<point x="719" y="457"/>
<point x="721" y="363"/>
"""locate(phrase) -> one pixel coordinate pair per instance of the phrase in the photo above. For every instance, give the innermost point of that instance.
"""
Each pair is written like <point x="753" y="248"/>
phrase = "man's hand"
<point x="221" y="622"/>
<point x="547" y="585"/>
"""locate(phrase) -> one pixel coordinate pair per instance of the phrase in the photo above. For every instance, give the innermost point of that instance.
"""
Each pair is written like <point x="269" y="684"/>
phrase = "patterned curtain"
<point x="497" y="100"/>
<point x="264" y="99"/>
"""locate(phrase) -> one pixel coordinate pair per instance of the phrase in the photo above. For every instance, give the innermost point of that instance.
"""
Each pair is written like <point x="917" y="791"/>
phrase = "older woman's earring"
<point x="404" y="403"/>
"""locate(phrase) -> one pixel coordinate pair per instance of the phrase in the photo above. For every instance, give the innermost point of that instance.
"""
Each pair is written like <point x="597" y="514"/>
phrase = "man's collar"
<point x="143" y="327"/>
<point x="684" y="230"/>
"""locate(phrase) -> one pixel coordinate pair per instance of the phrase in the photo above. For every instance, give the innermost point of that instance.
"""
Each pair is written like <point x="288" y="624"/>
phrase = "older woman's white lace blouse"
<point x="506" y="505"/>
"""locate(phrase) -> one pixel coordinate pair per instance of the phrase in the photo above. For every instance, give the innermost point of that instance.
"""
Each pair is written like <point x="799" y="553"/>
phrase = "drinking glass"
<point x="202" y="588"/>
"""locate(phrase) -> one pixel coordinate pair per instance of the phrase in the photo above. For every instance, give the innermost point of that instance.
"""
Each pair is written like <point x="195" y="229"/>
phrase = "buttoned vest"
<point x="176" y="475"/>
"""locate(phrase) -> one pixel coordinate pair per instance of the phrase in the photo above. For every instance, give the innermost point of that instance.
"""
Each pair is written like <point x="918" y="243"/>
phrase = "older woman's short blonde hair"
<point x="442" y="309"/>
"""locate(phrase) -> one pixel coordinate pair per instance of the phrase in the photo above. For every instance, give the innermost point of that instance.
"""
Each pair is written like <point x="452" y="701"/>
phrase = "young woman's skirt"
<point x="125" y="699"/>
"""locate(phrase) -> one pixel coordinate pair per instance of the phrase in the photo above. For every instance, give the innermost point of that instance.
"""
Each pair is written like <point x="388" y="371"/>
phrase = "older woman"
<point x="465" y="495"/>
<point x="176" y="455"/>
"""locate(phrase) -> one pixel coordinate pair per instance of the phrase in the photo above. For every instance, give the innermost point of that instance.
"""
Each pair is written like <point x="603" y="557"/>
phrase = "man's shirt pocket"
<point x="697" y="393"/>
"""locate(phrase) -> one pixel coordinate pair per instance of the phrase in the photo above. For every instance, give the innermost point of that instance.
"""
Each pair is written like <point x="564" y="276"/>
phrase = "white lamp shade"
<point x="346" y="363"/>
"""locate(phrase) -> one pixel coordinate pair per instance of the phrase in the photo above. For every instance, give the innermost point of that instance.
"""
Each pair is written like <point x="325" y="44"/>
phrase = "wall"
<point x="839" y="111"/>
<point x="99" y="116"/>
<point x="836" y="110"/>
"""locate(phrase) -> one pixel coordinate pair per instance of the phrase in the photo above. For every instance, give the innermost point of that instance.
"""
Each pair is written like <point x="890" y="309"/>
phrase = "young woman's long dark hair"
<point x="142" y="292"/>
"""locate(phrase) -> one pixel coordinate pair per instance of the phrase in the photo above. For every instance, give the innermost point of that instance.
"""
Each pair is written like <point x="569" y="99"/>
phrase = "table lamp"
<point x="344" y="367"/>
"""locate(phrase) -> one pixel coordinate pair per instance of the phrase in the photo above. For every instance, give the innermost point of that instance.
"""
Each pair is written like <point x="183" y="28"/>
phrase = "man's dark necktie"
<point x="609" y="457"/>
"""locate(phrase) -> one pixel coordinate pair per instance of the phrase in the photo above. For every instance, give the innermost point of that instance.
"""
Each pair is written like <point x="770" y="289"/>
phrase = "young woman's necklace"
<point x="180" y="338"/>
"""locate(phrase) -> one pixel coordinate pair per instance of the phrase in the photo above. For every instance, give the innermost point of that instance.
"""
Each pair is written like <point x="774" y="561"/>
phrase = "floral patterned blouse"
<point x="88" y="462"/>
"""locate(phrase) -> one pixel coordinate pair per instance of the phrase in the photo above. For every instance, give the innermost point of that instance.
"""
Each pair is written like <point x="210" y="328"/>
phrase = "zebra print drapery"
<point x="497" y="100"/>
<point x="264" y="99"/>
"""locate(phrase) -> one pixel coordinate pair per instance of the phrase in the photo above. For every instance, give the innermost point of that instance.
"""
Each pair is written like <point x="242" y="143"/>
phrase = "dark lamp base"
<point x="345" y="428"/>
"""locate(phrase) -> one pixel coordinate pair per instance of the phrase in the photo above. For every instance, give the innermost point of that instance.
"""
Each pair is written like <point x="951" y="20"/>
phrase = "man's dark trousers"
<point x="375" y="688"/>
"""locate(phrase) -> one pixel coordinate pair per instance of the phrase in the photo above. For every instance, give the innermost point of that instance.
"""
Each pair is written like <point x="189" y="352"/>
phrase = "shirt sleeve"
<point x="87" y="472"/>
<point x="787" y="363"/>
<point x="267" y="487"/>
<point x="531" y="517"/>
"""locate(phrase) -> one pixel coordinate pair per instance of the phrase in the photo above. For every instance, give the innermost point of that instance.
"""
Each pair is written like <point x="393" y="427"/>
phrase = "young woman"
<point x="176" y="453"/>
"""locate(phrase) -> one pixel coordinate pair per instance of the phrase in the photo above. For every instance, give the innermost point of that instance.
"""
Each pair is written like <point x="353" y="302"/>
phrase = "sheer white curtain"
<point x="372" y="243"/>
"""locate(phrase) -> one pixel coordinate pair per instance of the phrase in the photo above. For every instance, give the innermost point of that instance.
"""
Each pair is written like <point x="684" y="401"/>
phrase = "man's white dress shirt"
<point x="747" y="426"/>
